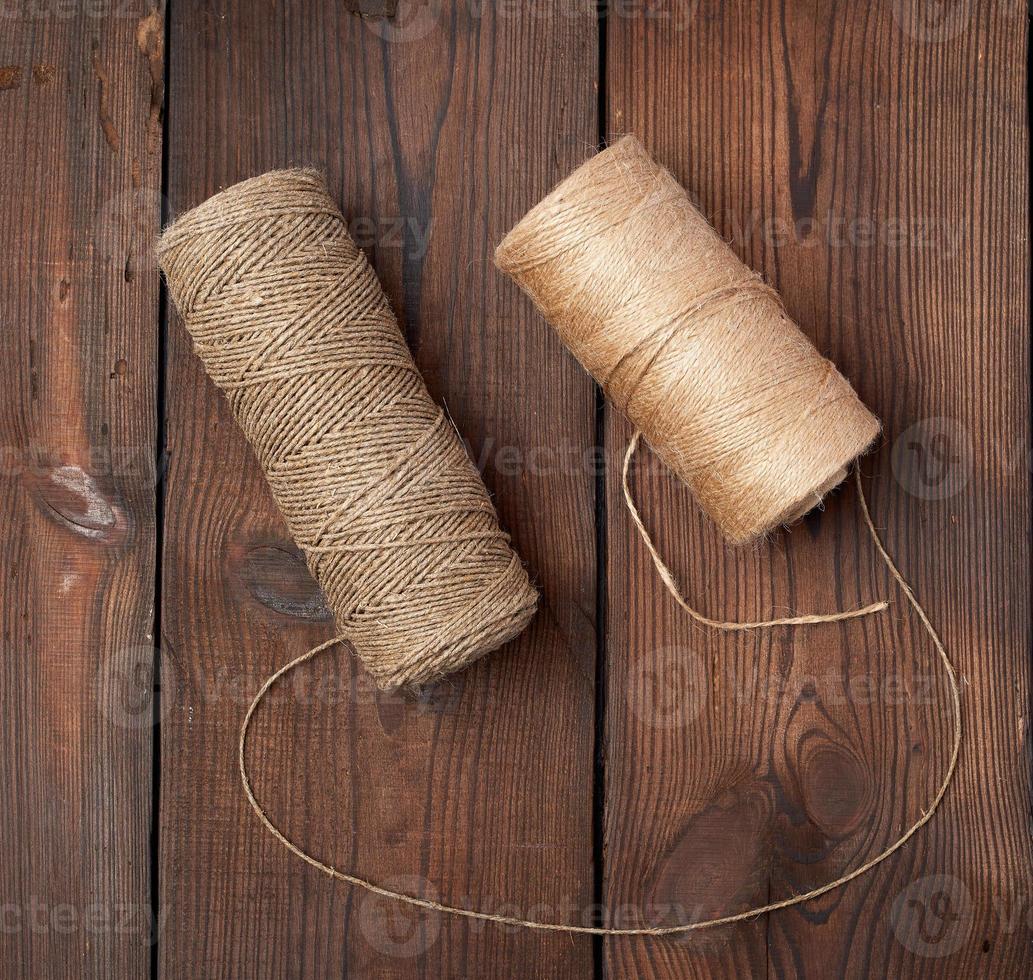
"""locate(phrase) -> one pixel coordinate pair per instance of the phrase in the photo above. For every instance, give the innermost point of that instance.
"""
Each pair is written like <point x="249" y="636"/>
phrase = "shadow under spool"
<point x="688" y="342"/>
<point x="372" y="478"/>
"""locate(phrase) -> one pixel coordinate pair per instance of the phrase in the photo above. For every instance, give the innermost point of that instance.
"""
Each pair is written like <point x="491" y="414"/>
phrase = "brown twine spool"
<point x="694" y="348"/>
<point x="688" y="342"/>
<point x="223" y="260"/>
<point x="371" y="477"/>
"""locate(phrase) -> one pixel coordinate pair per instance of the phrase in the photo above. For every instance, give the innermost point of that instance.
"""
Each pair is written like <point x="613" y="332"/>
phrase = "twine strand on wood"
<point x="684" y="927"/>
<point x="730" y="626"/>
<point x="372" y="479"/>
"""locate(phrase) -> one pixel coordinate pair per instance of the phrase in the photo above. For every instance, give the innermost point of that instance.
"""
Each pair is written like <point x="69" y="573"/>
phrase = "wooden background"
<point x="614" y="763"/>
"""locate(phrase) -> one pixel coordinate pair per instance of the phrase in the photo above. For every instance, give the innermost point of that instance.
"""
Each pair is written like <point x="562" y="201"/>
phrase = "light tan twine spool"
<point x="688" y="342"/>
<point x="291" y="213"/>
<point x="371" y="477"/>
<point x="694" y="348"/>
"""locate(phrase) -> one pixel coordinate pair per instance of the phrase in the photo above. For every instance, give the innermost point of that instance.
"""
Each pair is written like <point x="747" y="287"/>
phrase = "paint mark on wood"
<point x="107" y="124"/>
<point x="43" y="74"/>
<point x="73" y="498"/>
<point x="33" y="371"/>
<point x="372" y="8"/>
<point x="10" y="77"/>
<point x="150" y="39"/>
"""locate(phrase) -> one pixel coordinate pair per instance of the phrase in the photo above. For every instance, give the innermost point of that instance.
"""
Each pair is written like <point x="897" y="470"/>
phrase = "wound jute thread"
<point x="235" y="253"/>
<point x="372" y="478"/>
<point x="693" y="347"/>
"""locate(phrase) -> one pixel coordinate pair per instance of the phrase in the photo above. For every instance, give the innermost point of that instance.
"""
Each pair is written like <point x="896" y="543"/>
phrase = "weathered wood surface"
<point x="436" y="134"/>
<point x="80" y="178"/>
<point x="872" y="162"/>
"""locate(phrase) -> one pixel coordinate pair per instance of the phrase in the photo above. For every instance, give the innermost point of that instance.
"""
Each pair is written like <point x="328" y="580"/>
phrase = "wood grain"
<point x="80" y="142"/>
<point x="872" y="162"/>
<point x="480" y="791"/>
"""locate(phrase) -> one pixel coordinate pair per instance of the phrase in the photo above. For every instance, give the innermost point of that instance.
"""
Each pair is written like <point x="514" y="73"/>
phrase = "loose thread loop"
<point x="668" y="576"/>
<point x="685" y="927"/>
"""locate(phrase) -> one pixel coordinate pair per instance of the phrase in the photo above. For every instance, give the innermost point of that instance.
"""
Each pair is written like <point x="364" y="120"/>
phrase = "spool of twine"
<point x="688" y="342"/>
<point x="371" y="477"/>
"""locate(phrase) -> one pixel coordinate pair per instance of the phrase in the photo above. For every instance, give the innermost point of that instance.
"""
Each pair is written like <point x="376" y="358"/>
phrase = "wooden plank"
<point x="873" y="164"/>
<point x="80" y="141"/>
<point x="436" y="137"/>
